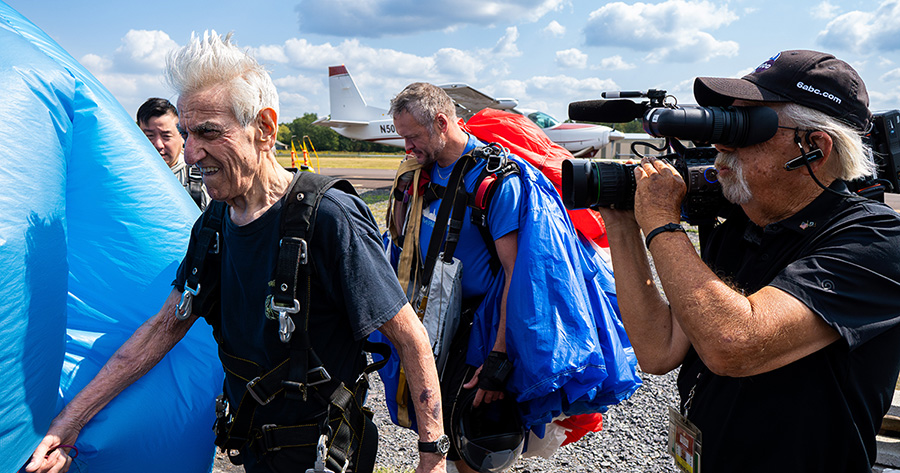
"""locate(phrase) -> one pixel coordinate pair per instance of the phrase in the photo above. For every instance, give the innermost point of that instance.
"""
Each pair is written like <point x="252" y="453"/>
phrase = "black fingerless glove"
<point x="495" y="372"/>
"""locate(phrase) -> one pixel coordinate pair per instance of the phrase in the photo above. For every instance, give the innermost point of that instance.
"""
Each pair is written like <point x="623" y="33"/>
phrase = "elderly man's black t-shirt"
<point x="840" y="257"/>
<point x="353" y="292"/>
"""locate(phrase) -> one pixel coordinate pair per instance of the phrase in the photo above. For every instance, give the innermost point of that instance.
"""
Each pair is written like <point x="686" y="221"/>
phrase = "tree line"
<point x="326" y="139"/>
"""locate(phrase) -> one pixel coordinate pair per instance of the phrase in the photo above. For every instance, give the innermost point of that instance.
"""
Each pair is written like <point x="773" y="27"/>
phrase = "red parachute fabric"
<point x="528" y="141"/>
<point x="578" y="426"/>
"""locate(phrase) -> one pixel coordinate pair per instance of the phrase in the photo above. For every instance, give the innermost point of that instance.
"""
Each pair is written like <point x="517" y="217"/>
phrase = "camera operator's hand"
<point x="660" y="190"/>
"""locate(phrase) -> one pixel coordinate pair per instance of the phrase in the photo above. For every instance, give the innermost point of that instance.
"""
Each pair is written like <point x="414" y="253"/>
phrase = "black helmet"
<point x="489" y="437"/>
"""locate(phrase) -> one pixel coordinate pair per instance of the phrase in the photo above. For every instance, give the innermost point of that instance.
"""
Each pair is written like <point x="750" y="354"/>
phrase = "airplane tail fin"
<point x="347" y="103"/>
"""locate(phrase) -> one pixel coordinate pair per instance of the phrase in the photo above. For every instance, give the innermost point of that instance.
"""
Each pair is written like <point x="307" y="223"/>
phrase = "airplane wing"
<point x="470" y="101"/>
<point x="327" y="121"/>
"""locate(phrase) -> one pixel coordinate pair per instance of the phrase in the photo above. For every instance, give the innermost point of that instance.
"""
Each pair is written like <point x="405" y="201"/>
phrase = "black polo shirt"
<point x="841" y="257"/>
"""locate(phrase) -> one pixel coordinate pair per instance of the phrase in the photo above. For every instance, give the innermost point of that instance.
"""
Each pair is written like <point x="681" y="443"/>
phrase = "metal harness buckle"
<point x="183" y="310"/>
<point x="285" y="323"/>
<point x="250" y="389"/>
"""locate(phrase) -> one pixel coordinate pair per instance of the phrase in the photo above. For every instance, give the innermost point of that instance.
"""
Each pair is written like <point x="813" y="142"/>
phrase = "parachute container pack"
<point x="92" y="228"/>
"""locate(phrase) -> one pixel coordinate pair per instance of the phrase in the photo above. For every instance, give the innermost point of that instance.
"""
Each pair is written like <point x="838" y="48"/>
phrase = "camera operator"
<point x="786" y="331"/>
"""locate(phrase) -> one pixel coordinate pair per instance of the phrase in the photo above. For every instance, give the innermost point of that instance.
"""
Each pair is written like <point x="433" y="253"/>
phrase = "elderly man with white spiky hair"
<point x="293" y="282"/>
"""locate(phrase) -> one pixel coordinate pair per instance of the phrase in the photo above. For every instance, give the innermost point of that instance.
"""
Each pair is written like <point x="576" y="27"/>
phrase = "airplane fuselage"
<point x="377" y="131"/>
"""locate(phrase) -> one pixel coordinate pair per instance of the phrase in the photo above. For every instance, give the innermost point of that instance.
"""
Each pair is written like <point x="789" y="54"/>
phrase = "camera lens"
<point x="729" y="126"/>
<point x="587" y="183"/>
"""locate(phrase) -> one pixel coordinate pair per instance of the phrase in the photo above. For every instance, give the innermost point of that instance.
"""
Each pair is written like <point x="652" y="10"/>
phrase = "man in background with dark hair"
<point x="158" y="120"/>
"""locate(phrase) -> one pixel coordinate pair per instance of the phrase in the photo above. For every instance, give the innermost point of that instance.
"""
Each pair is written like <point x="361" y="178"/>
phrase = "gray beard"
<point x="734" y="187"/>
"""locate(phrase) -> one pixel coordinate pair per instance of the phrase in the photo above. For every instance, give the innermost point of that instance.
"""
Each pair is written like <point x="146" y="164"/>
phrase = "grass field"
<point x="345" y="160"/>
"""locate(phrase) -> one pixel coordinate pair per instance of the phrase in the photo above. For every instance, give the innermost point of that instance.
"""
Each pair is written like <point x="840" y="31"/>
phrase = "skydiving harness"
<point x="336" y="434"/>
<point x="496" y="169"/>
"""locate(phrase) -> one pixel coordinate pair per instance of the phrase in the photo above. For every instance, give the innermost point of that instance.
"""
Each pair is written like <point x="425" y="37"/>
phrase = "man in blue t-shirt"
<point x="425" y="116"/>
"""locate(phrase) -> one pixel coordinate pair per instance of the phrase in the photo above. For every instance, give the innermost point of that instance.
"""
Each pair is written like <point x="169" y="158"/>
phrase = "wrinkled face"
<point x="421" y="141"/>
<point x="162" y="131"/>
<point x="746" y="172"/>
<point x="227" y="153"/>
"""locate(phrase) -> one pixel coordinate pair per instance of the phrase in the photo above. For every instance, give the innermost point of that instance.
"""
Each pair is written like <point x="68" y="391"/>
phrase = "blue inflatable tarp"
<point x="92" y="227"/>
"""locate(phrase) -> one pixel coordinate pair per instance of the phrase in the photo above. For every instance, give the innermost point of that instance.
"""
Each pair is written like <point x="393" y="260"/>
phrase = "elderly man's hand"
<point x="660" y="190"/>
<point x="48" y="457"/>
<point x="52" y="454"/>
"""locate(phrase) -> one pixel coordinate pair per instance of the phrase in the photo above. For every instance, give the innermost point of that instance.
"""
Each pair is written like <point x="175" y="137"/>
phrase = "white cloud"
<point x="299" y="83"/>
<point x="143" y="51"/>
<point x="615" y="63"/>
<point x="892" y="76"/>
<point x="825" y="10"/>
<point x="376" y="18"/>
<point x="566" y="86"/>
<point x="554" y="29"/>
<point x="134" y="71"/>
<point x="571" y="58"/>
<point x="265" y="54"/>
<point x="506" y="46"/>
<point x="886" y="100"/>
<point x="464" y="65"/>
<point x="294" y="101"/>
<point x="96" y="64"/>
<point x="865" y="32"/>
<point x="674" y="30"/>
<point x="381" y="72"/>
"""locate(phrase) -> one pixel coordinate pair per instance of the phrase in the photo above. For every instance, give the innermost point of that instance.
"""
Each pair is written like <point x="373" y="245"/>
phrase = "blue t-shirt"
<point x="503" y="218"/>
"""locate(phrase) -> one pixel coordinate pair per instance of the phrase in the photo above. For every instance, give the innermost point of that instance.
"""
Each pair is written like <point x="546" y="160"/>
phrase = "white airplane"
<point x="352" y="117"/>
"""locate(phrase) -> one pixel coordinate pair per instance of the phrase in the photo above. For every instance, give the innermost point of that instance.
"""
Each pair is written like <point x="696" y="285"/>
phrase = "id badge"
<point x="684" y="442"/>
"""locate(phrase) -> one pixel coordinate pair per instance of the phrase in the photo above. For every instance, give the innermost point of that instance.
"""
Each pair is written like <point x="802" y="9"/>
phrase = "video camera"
<point x="587" y="183"/>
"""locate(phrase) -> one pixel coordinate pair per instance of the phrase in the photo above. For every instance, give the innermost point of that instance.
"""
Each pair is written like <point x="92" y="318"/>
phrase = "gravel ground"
<point x="633" y="438"/>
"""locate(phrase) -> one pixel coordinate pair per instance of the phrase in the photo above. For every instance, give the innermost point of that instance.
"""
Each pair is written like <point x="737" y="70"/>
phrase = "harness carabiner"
<point x="285" y="323"/>
<point x="183" y="310"/>
<point x="322" y="457"/>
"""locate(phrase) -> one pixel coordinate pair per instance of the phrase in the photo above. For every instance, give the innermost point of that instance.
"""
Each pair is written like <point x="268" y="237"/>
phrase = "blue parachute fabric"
<point x="571" y="353"/>
<point x="564" y="333"/>
<point x="92" y="227"/>
<point x="390" y="374"/>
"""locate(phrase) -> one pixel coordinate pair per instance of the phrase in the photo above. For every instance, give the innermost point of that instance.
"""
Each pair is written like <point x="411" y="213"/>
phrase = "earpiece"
<point x="801" y="160"/>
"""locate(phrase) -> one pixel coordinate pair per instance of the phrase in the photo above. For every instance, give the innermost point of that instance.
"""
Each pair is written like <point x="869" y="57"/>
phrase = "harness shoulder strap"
<point x="203" y="253"/>
<point x="443" y="216"/>
<point x="495" y="171"/>
<point x="195" y="185"/>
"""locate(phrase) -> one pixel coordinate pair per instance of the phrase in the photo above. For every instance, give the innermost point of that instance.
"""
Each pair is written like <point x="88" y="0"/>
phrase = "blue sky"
<point x="545" y="53"/>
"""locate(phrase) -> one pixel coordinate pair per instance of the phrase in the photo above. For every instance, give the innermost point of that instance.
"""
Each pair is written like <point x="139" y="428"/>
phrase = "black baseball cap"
<point x="809" y="78"/>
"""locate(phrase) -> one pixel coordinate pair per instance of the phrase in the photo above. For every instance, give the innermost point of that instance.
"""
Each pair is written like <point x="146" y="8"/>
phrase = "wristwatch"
<point x="440" y="446"/>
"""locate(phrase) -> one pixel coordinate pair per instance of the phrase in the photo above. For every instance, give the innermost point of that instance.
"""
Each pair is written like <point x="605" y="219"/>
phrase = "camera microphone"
<point x="607" y="111"/>
<point x="623" y="94"/>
